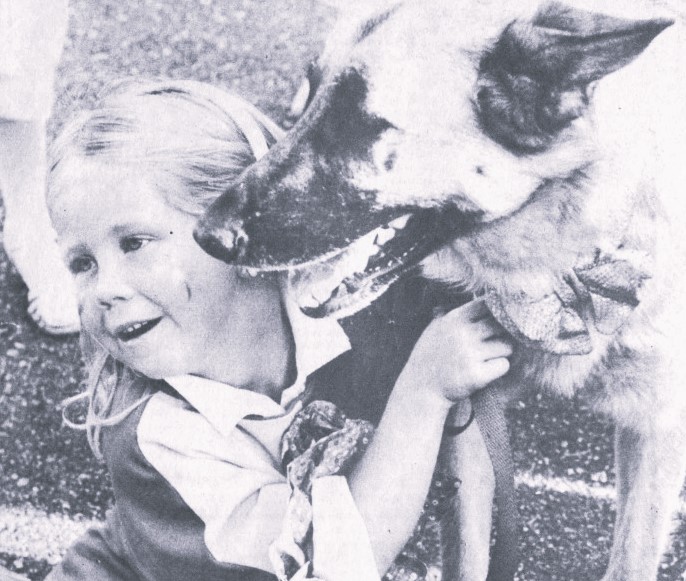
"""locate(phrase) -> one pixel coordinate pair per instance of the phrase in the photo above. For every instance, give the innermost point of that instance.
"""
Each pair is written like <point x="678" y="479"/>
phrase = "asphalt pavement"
<point x="50" y="485"/>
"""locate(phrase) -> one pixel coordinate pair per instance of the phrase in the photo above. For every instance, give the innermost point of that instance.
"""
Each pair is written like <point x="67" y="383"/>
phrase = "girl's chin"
<point x="155" y="367"/>
<point x="173" y="364"/>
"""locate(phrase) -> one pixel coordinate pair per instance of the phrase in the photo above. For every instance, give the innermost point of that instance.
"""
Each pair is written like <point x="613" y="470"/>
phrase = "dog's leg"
<point x="626" y="465"/>
<point x="466" y="529"/>
<point x="651" y="465"/>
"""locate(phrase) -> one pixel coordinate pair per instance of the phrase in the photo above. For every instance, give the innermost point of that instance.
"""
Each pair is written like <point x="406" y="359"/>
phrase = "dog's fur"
<point x="427" y="107"/>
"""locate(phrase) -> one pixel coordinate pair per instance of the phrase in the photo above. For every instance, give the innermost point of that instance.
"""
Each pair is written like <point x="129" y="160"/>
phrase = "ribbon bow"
<point x="606" y="288"/>
<point x="322" y="441"/>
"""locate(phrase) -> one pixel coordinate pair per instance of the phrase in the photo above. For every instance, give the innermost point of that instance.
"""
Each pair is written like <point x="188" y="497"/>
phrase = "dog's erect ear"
<point x="534" y="81"/>
<point x="579" y="47"/>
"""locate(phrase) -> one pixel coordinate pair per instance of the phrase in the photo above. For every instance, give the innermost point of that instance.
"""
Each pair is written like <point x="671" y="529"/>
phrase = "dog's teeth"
<point x="358" y="255"/>
<point x="309" y="302"/>
<point x="383" y="235"/>
<point x="399" y="223"/>
<point x="320" y="294"/>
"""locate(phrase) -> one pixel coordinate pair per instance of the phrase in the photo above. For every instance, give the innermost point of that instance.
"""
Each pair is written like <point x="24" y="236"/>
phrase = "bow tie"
<point x="605" y="288"/>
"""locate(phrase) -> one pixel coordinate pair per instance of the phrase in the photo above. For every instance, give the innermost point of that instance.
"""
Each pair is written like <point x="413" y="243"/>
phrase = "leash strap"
<point x="489" y="411"/>
<point x="490" y="416"/>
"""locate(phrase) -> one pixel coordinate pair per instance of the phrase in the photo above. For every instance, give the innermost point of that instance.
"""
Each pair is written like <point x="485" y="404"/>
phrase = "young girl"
<point x="198" y="369"/>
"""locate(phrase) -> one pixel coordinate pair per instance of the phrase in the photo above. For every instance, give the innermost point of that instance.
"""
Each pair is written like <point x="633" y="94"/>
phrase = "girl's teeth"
<point x="138" y="329"/>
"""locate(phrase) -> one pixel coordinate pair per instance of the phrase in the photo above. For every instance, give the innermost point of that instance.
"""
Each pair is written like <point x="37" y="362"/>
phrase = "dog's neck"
<point x="533" y="248"/>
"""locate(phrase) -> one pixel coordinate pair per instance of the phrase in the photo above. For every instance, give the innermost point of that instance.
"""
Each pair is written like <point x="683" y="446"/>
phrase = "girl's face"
<point x="147" y="292"/>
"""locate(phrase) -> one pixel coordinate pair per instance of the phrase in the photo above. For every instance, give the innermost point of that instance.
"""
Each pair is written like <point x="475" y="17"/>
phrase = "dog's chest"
<point x="562" y="375"/>
<point x="527" y="260"/>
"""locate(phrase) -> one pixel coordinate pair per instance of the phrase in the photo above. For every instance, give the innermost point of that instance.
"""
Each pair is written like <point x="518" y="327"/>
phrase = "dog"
<point x="529" y="152"/>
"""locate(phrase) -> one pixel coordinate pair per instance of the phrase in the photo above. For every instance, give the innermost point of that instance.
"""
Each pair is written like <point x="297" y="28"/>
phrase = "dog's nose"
<point x="227" y="243"/>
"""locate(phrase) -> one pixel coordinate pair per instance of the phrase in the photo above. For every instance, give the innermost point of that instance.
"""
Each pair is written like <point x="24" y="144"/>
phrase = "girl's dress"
<point x="196" y="471"/>
<point x="32" y="35"/>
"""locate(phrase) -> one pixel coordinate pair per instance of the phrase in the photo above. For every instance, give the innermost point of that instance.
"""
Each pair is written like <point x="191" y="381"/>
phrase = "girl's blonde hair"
<point x="191" y="139"/>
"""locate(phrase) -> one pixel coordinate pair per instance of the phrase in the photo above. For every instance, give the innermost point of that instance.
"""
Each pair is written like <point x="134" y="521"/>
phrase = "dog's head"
<point x="424" y="119"/>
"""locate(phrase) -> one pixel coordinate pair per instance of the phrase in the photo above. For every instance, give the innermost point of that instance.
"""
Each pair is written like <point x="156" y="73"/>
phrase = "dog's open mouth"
<point x="351" y="278"/>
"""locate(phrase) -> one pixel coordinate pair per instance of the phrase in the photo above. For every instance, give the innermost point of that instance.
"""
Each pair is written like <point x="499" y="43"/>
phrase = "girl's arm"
<point x="456" y="355"/>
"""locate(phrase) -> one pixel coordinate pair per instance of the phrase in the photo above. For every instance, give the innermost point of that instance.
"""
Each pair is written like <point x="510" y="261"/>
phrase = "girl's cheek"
<point x="165" y="279"/>
<point x="177" y="276"/>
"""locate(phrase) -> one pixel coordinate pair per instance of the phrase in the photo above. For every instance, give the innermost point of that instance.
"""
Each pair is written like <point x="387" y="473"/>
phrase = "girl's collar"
<point x="317" y="342"/>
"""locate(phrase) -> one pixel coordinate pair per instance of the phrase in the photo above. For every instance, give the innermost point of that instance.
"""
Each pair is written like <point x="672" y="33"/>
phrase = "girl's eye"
<point x="81" y="264"/>
<point x="133" y="243"/>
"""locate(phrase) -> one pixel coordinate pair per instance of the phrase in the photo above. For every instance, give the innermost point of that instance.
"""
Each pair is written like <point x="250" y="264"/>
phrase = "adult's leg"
<point x="28" y="236"/>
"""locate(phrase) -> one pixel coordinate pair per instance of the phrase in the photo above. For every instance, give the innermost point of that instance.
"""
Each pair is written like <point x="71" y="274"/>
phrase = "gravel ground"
<point x="259" y="49"/>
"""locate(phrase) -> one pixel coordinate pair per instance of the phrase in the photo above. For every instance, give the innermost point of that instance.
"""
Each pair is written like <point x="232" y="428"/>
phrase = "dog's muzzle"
<point x="227" y="243"/>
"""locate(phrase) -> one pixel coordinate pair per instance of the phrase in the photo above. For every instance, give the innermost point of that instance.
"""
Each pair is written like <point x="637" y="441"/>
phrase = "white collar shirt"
<point x="220" y="449"/>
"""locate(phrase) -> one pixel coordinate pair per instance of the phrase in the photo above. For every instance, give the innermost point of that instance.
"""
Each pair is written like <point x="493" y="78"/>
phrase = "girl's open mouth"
<point x="137" y="329"/>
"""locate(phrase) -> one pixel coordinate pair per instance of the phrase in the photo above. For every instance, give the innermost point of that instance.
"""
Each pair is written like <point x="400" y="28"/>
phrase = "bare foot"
<point x="52" y="297"/>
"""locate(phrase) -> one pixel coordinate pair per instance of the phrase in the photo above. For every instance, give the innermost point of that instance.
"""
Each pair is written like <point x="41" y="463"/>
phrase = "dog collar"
<point x="606" y="287"/>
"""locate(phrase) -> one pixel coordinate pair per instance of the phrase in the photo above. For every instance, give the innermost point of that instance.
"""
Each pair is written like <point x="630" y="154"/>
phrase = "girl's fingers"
<point x="496" y="348"/>
<point x="494" y="368"/>
<point x="488" y="328"/>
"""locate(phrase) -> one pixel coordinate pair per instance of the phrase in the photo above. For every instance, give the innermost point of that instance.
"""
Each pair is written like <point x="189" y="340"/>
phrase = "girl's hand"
<point x="459" y="353"/>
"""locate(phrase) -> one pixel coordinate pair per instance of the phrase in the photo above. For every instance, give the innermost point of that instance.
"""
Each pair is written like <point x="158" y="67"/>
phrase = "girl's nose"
<point x="111" y="286"/>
